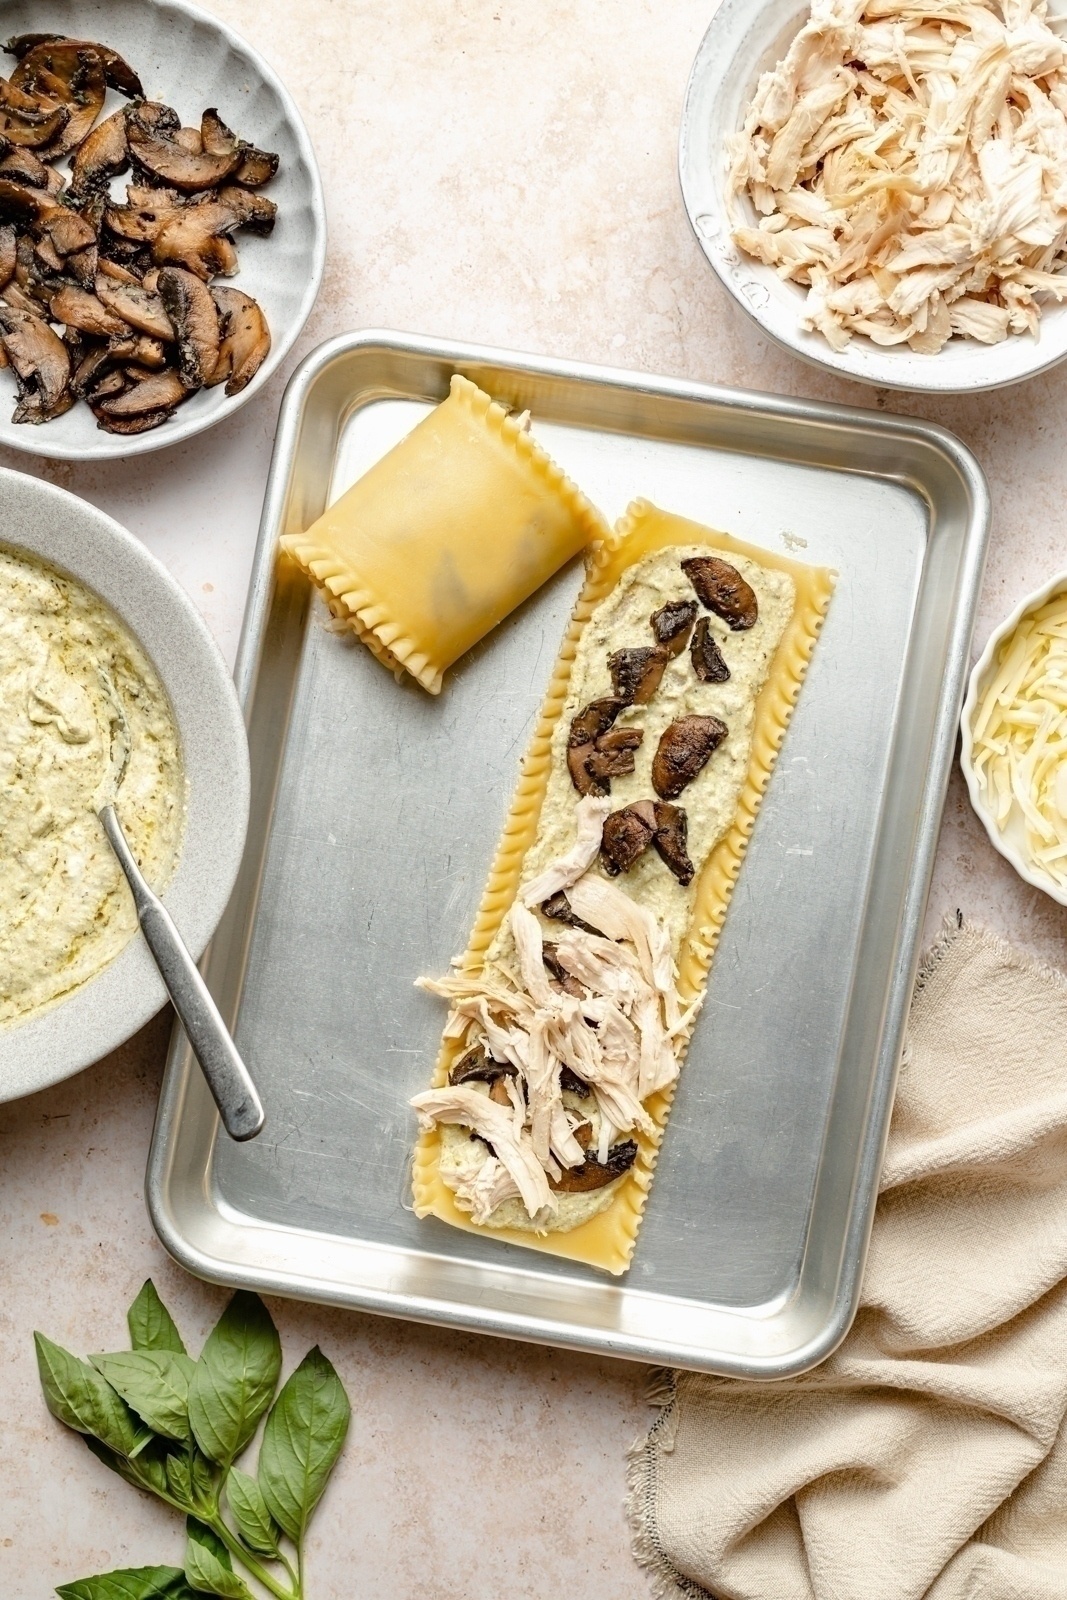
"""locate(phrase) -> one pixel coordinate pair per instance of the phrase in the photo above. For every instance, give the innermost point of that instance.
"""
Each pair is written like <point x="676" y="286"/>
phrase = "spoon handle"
<point x="227" y="1076"/>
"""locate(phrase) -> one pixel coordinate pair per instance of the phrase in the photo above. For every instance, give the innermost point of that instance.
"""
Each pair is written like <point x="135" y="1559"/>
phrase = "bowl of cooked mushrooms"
<point x="162" y="227"/>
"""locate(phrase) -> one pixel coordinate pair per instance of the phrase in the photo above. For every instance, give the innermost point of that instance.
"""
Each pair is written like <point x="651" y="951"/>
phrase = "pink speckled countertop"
<point x="504" y="172"/>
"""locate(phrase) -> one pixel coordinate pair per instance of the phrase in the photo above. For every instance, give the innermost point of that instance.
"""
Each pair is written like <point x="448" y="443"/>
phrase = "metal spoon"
<point x="227" y="1076"/>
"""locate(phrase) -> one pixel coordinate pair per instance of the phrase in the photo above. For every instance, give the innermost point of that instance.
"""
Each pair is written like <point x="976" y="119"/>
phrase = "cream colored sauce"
<point x="710" y="800"/>
<point x="65" y="908"/>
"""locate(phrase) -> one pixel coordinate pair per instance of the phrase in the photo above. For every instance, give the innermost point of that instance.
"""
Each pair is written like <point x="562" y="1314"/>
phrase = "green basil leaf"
<point x="248" y="1508"/>
<point x="155" y="1384"/>
<point x="235" y="1378"/>
<point x="151" y="1325"/>
<point x="302" y="1440"/>
<point x="203" y="1480"/>
<point x="206" y="1573"/>
<point x="179" y="1479"/>
<point x="130" y="1583"/>
<point x="146" y="1471"/>
<point x="79" y="1397"/>
<point x="200" y="1533"/>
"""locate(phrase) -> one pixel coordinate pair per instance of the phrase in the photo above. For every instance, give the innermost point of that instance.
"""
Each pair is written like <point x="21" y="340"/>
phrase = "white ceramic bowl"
<point x="1011" y="839"/>
<point x="83" y="542"/>
<point x="191" y="61"/>
<point x="746" y="38"/>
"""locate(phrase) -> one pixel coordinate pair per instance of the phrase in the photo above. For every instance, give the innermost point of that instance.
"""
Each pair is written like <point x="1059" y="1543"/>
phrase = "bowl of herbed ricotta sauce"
<point x="106" y="672"/>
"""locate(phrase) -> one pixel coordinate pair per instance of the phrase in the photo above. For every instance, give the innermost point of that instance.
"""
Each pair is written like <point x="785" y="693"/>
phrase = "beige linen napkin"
<point x="928" y="1456"/>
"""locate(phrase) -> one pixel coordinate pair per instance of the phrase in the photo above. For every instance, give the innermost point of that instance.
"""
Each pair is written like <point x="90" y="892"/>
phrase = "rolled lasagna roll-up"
<point x="570" y="1012"/>
<point x="445" y="535"/>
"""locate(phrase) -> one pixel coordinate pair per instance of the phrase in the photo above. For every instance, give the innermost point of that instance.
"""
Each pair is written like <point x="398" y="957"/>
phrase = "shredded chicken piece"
<point x="496" y="1125"/>
<point x="906" y="162"/>
<point x="589" y="815"/>
<point x="484" y="1188"/>
<point x="617" y="1037"/>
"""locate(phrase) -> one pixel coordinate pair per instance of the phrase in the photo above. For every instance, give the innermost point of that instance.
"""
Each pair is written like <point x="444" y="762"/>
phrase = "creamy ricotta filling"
<point x="70" y="673"/>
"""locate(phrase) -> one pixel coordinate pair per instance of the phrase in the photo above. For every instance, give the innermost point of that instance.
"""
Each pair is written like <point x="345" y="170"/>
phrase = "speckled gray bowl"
<point x="191" y="61"/>
<point x="82" y="541"/>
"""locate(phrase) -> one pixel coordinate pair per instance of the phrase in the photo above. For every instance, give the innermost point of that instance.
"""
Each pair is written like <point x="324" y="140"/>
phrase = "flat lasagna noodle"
<point x="606" y="1240"/>
<point x="445" y="535"/>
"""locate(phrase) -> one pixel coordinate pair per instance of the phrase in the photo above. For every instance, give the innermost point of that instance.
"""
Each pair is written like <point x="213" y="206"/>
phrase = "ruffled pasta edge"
<point x="355" y="602"/>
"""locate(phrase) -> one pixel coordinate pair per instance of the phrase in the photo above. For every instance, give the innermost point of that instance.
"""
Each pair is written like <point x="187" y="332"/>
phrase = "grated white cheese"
<point x="1020" y="738"/>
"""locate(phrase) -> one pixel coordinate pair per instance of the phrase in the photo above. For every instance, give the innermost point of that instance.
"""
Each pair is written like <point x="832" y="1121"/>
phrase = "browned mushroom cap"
<point x="101" y="156"/>
<point x="612" y="754"/>
<point x="129" y="425"/>
<point x="562" y="979"/>
<point x="672" y="829"/>
<point x="709" y="663"/>
<point x="41" y="362"/>
<point x="156" y="151"/>
<point x="684" y="748"/>
<point x="245" y="339"/>
<point x="194" y="238"/>
<point x="67" y="231"/>
<point x="143" y="220"/>
<point x="69" y="72"/>
<point x="257" y="167"/>
<point x="133" y="303"/>
<point x="627" y="835"/>
<point x="23" y="166"/>
<point x="722" y="589"/>
<point x="8" y="255"/>
<point x="253" y="211"/>
<point x="117" y="273"/>
<point x="48" y="256"/>
<point x="82" y="310"/>
<point x="140" y="348"/>
<point x="191" y="309"/>
<point x="117" y="73"/>
<point x="112" y="383"/>
<point x="90" y="371"/>
<point x="16" y="297"/>
<point x="161" y="391"/>
<point x="217" y="139"/>
<point x="593" y="720"/>
<point x="570" y="1081"/>
<point x="476" y="1066"/>
<point x="671" y="624"/>
<point x="594" y="1175"/>
<point x="26" y="120"/>
<point x="558" y="907"/>
<point x="22" y="205"/>
<point x="636" y="674"/>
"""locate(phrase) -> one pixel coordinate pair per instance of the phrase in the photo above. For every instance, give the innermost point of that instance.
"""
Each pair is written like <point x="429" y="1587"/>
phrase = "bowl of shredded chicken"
<point x="882" y="184"/>
<point x="1014" y="738"/>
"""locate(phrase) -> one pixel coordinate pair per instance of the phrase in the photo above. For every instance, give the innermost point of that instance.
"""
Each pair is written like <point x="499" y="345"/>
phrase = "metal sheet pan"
<point x="375" y="813"/>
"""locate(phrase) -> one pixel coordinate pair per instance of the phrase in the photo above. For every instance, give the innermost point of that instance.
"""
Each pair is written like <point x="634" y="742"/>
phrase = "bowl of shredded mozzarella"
<point x="1014" y="745"/>
<point x="882" y="184"/>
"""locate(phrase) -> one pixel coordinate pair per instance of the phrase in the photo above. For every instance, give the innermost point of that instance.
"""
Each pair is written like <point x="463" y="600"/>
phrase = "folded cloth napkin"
<point x="928" y="1456"/>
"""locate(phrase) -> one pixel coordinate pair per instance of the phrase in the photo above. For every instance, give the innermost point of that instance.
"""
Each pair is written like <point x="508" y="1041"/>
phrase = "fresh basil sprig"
<point x="174" y="1427"/>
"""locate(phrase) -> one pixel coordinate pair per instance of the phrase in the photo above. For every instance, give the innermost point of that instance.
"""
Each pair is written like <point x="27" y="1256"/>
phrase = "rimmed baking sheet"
<point x="375" y="814"/>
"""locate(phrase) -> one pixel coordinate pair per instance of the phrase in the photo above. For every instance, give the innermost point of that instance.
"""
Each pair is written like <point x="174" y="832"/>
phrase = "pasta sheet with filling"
<point x="445" y="535"/>
<point x="531" y="835"/>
